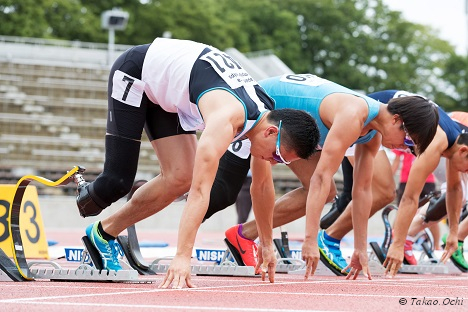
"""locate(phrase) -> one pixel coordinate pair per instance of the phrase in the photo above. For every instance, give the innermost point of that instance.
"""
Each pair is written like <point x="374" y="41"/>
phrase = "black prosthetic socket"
<point x="436" y="210"/>
<point x="230" y="176"/>
<point x="116" y="179"/>
<point x="87" y="206"/>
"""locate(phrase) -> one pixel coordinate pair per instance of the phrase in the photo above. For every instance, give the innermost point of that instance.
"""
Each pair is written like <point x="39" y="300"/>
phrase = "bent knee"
<point x="178" y="181"/>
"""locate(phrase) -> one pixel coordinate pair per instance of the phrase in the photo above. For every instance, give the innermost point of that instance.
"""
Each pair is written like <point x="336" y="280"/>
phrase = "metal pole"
<point x="111" y="47"/>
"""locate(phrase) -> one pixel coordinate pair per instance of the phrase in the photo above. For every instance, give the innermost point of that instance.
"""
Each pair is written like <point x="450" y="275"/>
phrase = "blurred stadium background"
<point x="53" y="95"/>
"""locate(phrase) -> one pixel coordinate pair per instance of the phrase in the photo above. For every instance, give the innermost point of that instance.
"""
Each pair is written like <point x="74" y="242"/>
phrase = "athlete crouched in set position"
<point x="452" y="143"/>
<point x="345" y="117"/>
<point x="448" y="142"/>
<point x="434" y="213"/>
<point x="173" y="88"/>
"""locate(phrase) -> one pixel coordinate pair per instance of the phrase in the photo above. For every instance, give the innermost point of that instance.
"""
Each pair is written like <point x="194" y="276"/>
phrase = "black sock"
<point x="104" y="235"/>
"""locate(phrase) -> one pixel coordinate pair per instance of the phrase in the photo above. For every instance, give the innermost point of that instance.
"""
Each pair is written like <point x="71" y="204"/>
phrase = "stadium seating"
<point x="53" y="96"/>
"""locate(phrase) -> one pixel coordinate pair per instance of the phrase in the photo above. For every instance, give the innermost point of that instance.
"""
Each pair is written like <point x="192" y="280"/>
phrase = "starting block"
<point x="290" y="265"/>
<point x="226" y="268"/>
<point x="19" y="269"/>
<point x="131" y="249"/>
<point x="84" y="272"/>
<point x="230" y="265"/>
<point x="427" y="264"/>
<point x="8" y="269"/>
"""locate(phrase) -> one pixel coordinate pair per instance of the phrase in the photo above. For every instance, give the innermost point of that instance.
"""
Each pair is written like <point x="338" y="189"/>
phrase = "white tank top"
<point x="166" y="73"/>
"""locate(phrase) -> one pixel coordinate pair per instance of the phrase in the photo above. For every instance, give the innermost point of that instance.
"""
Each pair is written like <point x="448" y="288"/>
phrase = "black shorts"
<point x="128" y="121"/>
<point x="428" y="188"/>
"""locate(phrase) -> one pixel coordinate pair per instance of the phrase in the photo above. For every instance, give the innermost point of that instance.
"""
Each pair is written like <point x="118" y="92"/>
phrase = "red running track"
<point x="288" y="293"/>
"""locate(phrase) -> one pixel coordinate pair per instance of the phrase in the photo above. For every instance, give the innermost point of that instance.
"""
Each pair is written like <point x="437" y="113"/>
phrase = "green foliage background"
<point x="360" y="44"/>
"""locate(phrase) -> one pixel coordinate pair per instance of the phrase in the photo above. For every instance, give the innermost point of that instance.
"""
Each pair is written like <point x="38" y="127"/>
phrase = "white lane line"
<point x="218" y="288"/>
<point x="167" y="307"/>
<point x="137" y="292"/>
<point x="313" y="294"/>
<point x="210" y="289"/>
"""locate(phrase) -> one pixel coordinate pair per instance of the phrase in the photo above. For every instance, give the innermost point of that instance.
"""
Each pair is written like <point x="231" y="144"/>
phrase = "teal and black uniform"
<point x="451" y="128"/>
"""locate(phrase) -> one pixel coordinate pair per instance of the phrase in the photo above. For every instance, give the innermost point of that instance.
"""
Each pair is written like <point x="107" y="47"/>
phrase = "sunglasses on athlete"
<point x="408" y="140"/>
<point x="277" y="156"/>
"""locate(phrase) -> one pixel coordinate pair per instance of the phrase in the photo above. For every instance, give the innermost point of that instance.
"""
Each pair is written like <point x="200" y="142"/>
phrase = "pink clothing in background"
<point x="406" y="166"/>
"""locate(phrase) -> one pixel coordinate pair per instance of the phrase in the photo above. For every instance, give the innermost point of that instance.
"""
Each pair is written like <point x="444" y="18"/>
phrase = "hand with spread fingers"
<point x="178" y="274"/>
<point x="394" y="260"/>
<point x="451" y="245"/>
<point x="310" y="254"/>
<point x="266" y="263"/>
<point x="358" y="263"/>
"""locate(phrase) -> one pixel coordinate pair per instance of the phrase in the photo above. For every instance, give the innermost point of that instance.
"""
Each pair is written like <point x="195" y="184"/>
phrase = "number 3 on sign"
<point x="32" y="228"/>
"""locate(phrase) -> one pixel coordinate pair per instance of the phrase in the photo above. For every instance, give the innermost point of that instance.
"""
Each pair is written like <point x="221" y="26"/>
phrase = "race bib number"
<point x="228" y="69"/>
<point x="127" y="89"/>
<point x="304" y="79"/>
<point x="402" y="94"/>
<point x="240" y="148"/>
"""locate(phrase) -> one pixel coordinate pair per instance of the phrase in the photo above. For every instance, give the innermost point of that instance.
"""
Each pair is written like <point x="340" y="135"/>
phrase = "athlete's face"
<point x="460" y="159"/>
<point x="275" y="154"/>
<point x="398" y="137"/>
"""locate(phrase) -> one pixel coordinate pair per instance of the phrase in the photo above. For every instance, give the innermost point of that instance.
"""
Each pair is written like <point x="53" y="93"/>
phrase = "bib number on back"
<point x="304" y="79"/>
<point x="228" y="69"/>
<point x="240" y="148"/>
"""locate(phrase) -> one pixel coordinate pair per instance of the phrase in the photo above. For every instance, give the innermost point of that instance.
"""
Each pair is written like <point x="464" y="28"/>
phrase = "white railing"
<point x="56" y="52"/>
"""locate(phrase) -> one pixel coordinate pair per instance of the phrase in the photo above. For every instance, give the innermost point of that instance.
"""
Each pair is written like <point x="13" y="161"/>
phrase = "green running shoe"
<point x="457" y="257"/>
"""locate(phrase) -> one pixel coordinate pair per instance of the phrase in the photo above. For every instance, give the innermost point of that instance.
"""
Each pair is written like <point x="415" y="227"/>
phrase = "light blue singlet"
<point x="306" y="92"/>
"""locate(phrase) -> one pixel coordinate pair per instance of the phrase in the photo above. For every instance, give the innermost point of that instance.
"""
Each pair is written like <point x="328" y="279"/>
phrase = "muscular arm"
<point x="454" y="204"/>
<point x="223" y="114"/>
<point x="263" y="199"/>
<point x="346" y="126"/>
<point x="422" y="166"/>
<point x="362" y="190"/>
<point x="263" y="202"/>
<point x="453" y="197"/>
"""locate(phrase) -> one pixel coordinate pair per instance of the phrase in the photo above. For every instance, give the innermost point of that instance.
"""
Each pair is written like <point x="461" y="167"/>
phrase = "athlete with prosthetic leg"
<point x="172" y="88"/>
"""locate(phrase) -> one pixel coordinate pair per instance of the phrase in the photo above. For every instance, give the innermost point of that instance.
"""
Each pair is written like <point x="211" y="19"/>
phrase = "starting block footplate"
<point x="84" y="273"/>
<point x="222" y="269"/>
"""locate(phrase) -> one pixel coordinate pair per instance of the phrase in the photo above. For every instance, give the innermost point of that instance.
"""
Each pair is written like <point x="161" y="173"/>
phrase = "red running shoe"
<point x="409" y="256"/>
<point x="246" y="247"/>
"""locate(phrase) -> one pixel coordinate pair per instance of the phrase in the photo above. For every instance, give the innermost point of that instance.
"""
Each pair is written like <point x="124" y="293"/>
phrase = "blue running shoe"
<point x="330" y="253"/>
<point x="107" y="249"/>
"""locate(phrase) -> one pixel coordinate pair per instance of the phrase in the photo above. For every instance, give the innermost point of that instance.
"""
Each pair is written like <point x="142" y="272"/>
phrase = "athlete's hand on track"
<point x="266" y="262"/>
<point x="358" y="263"/>
<point x="451" y="245"/>
<point x="394" y="260"/>
<point x="310" y="254"/>
<point x="178" y="274"/>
